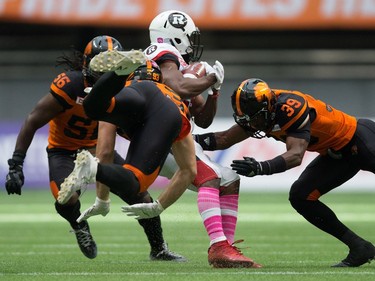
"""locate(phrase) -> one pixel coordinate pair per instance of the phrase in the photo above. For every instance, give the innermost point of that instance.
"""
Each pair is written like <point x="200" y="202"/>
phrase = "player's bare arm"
<point x="184" y="153"/>
<point x="45" y="110"/>
<point x="223" y="139"/>
<point x="105" y="153"/>
<point x="185" y="87"/>
<point x="296" y="149"/>
<point x="233" y="135"/>
<point x="203" y="110"/>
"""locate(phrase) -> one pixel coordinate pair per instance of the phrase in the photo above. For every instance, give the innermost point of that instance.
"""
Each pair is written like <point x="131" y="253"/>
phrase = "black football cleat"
<point x="85" y="241"/>
<point x="164" y="254"/>
<point x="358" y="256"/>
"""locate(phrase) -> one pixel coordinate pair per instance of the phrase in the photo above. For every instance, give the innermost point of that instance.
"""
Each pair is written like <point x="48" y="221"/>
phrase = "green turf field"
<point x="35" y="243"/>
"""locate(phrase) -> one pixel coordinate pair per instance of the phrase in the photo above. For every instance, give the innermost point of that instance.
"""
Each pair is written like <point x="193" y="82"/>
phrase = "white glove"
<point x="209" y="69"/>
<point x="100" y="207"/>
<point x="143" y="210"/>
<point x="219" y="73"/>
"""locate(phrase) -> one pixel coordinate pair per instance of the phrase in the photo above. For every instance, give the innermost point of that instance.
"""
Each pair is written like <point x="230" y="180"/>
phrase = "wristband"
<point x="18" y="157"/>
<point x="273" y="166"/>
<point x="99" y="201"/>
<point x="206" y="141"/>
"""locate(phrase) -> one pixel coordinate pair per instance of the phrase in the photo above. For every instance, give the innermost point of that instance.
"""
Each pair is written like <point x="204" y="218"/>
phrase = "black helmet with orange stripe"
<point x="95" y="46"/>
<point x="148" y="71"/>
<point x="252" y="103"/>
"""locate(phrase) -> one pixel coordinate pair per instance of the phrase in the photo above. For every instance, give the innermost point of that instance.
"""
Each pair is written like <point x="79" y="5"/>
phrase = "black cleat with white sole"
<point x="164" y="254"/>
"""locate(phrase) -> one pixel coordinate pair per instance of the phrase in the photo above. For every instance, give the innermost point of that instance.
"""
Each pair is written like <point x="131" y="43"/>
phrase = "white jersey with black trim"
<point x="157" y="50"/>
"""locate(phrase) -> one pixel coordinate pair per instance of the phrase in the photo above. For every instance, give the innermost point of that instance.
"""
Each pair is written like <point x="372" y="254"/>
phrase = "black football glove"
<point x="248" y="167"/>
<point x="15" y="177"/>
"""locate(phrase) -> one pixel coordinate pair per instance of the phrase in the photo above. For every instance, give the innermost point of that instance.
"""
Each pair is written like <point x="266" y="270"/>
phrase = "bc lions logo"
<point x="177" y="20"/>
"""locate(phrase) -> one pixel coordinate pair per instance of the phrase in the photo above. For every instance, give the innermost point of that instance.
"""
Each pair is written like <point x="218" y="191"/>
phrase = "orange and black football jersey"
<point x="171" y="95"/>
<point x="300" y="115"/>
<point x="71" y="129"/>
<point x="184" y="110"/>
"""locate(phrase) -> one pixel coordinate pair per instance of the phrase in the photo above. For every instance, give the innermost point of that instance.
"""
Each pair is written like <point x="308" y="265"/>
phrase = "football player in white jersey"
<point x="175" y="42"/>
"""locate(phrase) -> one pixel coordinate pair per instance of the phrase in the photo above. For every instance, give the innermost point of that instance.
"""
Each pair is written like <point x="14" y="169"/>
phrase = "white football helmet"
<point x="178" y="29"/>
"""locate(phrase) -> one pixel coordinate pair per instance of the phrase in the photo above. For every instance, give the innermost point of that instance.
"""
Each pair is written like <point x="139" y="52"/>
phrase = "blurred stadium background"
<point x="321" y="47"/>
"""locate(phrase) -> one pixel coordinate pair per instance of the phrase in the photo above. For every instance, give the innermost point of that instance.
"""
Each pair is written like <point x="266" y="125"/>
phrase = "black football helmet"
<point x="95" y="46"/>
<point x="148" y="71"/>
<point x="252" y="103"/>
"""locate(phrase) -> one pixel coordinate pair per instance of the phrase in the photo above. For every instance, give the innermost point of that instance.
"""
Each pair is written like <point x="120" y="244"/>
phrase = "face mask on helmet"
<point x="178" y="29"/>
<point x="252" y="103"/>
<point x="149" y="71"/>
<point x="95" y="46"/>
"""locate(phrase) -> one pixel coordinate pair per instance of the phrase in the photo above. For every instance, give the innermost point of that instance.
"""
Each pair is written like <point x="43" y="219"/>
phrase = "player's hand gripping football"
<point x="15" y="177"/>
<point x="248" y="167"/>
<point x="209" y="69"/>
<point x="219" y="73"/>
<point x="100" y="207"/>
<point x="218" y="70"/>
<point x="143" y="210"/>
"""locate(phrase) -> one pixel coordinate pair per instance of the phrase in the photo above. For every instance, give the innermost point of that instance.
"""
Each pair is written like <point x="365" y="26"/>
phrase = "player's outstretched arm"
<point x="45" y="110"/>
<point x="104" y="152"/>
<point x="184" y="154"/>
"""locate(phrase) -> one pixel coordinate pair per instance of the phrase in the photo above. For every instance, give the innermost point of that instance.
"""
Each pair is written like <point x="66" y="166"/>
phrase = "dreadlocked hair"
<point x="72" y="61"/>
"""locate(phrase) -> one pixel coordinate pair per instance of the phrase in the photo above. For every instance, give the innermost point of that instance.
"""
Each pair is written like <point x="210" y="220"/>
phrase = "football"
<point x="194" y="70"/>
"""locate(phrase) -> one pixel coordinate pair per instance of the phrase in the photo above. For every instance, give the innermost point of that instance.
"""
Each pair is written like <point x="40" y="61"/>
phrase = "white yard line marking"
<point x="181" y="217"/>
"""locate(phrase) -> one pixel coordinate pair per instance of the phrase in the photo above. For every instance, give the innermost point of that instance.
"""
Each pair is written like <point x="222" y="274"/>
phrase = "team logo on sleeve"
<point x="151" y="49"/>
<point x="79" y="100"/>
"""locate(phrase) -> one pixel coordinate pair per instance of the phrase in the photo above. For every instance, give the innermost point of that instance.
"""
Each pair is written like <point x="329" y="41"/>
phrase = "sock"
<point x="152" y="227"/>
<point x="229" y="213"/>
<point x="209" y="209"/>
<point x="69" y="212"/>
<point x="351" y="239"/>
<point x="154" y="233"/>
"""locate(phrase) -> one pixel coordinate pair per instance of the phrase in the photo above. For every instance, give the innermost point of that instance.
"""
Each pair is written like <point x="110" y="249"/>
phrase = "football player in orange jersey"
<point x="155" y="120"/>
<point x="345" y="146"/>
<point x="71" y="130"/>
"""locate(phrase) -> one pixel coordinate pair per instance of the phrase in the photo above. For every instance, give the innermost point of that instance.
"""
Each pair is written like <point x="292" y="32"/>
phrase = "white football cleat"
<point x="84" y="173"/>
<point x="121" y="62"/>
